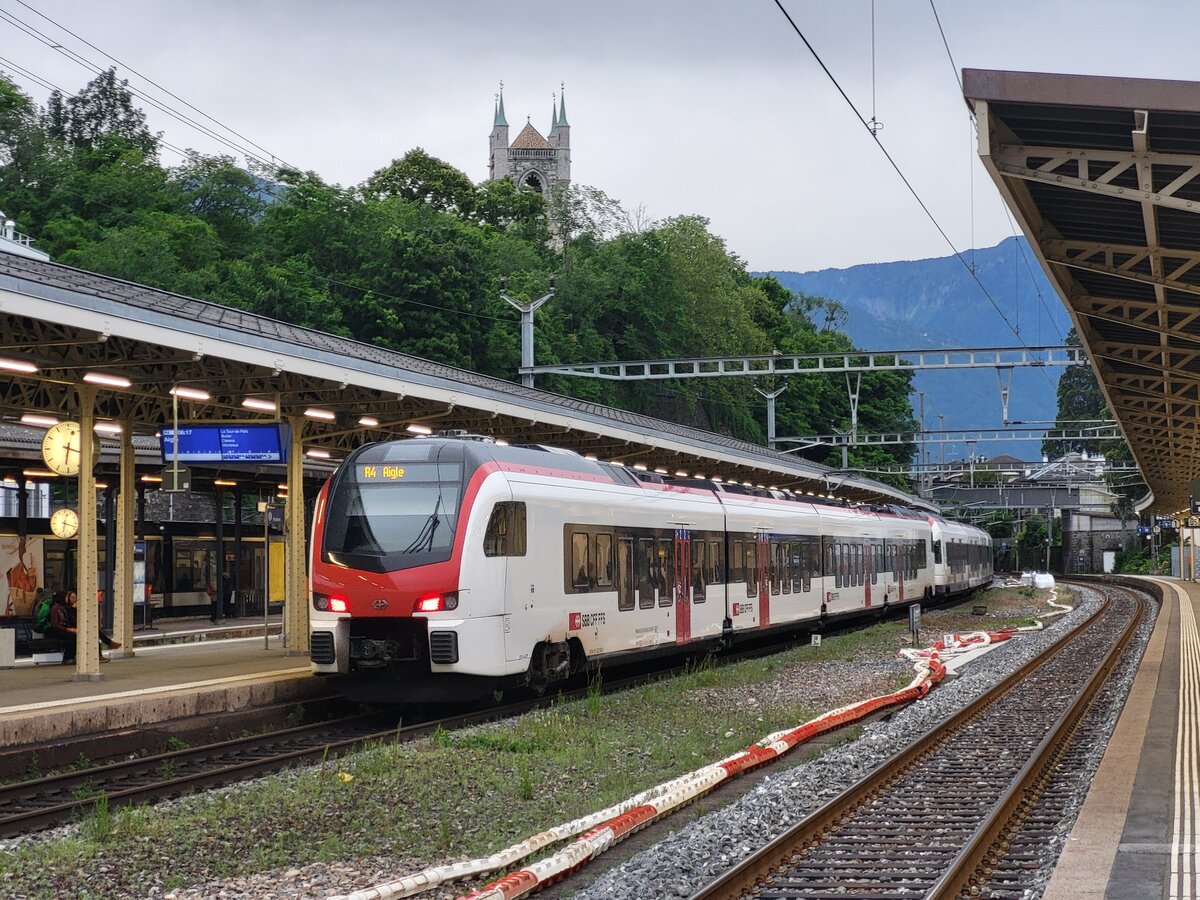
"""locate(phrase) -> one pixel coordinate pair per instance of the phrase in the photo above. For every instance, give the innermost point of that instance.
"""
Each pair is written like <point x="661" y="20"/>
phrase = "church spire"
<point x="561" y="120"/>
<point x="553" y="114"/>
<point x="500" y="121"/>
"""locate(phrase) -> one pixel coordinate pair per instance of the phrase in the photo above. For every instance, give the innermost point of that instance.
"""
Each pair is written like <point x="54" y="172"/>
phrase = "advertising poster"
<point x="21" y="564"/>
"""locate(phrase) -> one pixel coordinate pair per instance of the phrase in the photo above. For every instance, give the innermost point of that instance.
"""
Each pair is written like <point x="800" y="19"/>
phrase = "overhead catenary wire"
<point x="95" y="69"/>
<point x="896" y="166"/>
<point x="151" y="81"/>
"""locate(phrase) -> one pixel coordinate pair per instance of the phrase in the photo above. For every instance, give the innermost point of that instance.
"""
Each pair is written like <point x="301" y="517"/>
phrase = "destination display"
<point x="204" y="443"/>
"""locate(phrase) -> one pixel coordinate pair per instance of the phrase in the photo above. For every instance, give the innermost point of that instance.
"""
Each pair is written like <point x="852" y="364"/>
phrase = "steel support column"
<point x="123" y="551"/>
<point x="296" y="599"/>
<point x="771" y="395"/>
<point x="87" y="638"/>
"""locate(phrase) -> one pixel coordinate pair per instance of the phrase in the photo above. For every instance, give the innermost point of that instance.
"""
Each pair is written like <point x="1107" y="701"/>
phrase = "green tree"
<point x="101" y="117"/>
<point x="417" y="176"/>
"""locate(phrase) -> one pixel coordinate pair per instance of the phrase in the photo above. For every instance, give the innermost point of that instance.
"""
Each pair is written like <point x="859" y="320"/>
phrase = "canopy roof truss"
<point x="1104" y="176"/>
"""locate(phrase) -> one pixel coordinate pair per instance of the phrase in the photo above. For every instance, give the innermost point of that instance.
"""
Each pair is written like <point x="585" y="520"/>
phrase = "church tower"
<point x="532" y="161"/>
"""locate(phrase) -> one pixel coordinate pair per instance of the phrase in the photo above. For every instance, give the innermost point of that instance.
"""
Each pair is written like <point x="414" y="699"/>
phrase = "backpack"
<point x="41" y="615"/>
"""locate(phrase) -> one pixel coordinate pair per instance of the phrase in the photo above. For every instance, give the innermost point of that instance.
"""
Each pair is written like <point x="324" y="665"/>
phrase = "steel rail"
<point x="1013" y="806"/>
<point x="44" y="806"/>
<point x="742" y="878"/>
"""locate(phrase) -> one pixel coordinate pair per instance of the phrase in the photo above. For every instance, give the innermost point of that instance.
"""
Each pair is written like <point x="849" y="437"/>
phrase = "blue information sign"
<point x="205" y="443"/>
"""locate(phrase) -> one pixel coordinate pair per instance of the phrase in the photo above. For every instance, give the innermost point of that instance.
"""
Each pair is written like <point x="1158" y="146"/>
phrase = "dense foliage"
<point x="413" y="259"/>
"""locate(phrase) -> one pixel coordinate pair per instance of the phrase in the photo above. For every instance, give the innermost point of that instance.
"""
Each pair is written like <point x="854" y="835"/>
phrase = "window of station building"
<point x="645" y="570"/>
<point x="625" y="573"/>
<point x="602" y="560"/>
<point x="666" y="568"/>
<point x="698" y="570"/>
<point x="580" y="579"/>
<point x="505" y="535"/>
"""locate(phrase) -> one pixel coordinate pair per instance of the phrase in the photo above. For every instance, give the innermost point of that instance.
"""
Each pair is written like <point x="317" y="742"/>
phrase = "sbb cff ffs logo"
<point x="577" y="621"/>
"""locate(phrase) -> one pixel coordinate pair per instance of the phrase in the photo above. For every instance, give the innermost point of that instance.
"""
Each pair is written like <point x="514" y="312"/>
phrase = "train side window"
<point x="698" y="570"/>
<point x="784" y="561"/>
<point x="645" y="569"/>
<point x="716" y="562"/>
<point x="830" y="560"/>
<point x="735" y="564"/>
<point x="750" y="564"/>
<point x="777" y="571"/>
<point x="666" y="566"/>
<point x="937" y="553"/>
<point x="625" y="573"/>
<point x="579" y="561"/>
<point x="874" y="548"/>
<point x="858" y="564"/>
<point x="505" y="535"/>
<point x="602" y="565"/>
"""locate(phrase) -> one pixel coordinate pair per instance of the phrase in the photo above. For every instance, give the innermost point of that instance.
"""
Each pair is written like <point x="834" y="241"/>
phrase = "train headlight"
<point x="436" y="602"/>
<point x="326" y="603"/>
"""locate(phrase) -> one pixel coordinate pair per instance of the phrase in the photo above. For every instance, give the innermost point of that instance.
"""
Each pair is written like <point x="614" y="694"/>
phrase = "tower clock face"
<point x="64" y="523"/>
<point x="60" y="448"/>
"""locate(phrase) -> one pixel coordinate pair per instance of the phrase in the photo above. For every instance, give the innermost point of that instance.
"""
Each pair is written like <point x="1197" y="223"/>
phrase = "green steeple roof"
<point x="500" y="120"/>
<point x="562" y="110"/>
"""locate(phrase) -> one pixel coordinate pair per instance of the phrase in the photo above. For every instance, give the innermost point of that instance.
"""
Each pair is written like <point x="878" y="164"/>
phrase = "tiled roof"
<point x="530" y="139"/>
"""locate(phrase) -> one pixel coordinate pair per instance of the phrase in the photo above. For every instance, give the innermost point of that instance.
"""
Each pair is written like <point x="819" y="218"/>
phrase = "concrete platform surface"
<point x="187" y="669"/>
<point x="1135" y="838"/>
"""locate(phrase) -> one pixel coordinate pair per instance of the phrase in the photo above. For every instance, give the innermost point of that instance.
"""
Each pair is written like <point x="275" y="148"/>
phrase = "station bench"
<point x="29" y="642"/>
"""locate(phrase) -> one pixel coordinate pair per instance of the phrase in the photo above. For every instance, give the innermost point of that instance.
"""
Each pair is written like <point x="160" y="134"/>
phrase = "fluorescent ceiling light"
<point x="282" y="487"/>
<point x="368" y="422"/>
<point x="104" y="378"/>
<point x="325" y="415"/>
<point x="317" y="453"/>
<point x="681" y="474"/>
<point x="660" y="471"/>
<point x="224" y="482"/>
<point x="38" y="473"/>
<point x="718" y="479"/>
<point x="34" y="419"/>
<point x="257" y="403"/>
<point x="152" y="479"/>
<point x="191" y="393"/>
<point x="17" y="365"/>
<point x="591" y="456"/>
<point x="641" y="467"/>
<point x="418" y="428"/>
<point x="501" y="442"/>
<point x="107" y="428"/>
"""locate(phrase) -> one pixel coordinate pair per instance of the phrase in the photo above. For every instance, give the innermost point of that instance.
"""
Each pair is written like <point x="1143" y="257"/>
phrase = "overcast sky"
<point x="681" y="106"/>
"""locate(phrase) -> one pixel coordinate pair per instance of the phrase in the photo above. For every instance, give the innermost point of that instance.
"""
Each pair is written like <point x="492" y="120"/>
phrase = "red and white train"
<point x="447" y="568"/>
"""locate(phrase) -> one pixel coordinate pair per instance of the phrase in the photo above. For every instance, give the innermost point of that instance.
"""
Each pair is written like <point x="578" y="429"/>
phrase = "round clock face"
<point x="64" y="523"/>
<point x="60" y="448"/>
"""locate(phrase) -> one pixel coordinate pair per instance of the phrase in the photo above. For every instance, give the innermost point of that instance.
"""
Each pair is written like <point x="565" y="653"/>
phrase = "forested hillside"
<point x="413" y="259"/>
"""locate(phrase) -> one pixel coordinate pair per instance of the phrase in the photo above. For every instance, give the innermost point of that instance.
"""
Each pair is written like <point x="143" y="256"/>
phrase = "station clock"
<point x="64" y="523"/>
<point x="60" y="448"/>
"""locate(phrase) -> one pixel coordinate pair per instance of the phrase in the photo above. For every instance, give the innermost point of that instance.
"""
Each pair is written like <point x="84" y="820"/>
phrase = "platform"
<point x="178" y="670"/>
<point x="1135" y="838"/>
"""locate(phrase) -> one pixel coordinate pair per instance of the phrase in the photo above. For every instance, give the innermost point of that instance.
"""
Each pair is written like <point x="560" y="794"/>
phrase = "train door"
<point x="764" y="580"/>
<point x="681" y="585"/>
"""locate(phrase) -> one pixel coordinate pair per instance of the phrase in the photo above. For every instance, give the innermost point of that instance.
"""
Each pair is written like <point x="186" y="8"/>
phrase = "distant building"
<point x="12" y="241"/>
<point x="531" y="161"/>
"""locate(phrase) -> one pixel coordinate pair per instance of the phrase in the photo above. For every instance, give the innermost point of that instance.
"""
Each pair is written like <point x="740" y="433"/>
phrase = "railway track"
<point x="958" y="812"/>
<point x="44" y="802"/>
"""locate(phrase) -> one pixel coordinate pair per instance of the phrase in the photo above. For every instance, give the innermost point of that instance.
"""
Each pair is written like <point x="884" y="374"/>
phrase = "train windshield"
<point x="390" y="511"/>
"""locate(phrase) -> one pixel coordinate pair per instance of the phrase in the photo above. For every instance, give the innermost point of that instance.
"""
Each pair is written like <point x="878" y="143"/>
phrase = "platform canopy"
<point x="64" y="323"/>
<point x="1104" y="176"/>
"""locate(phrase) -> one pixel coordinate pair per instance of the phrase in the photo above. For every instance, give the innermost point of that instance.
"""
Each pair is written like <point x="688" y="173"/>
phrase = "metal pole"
<point x="266" y="508"/>
<point x="770" y="395"/>
<point x="526" y="309"/>
<point x="942" y="427"/>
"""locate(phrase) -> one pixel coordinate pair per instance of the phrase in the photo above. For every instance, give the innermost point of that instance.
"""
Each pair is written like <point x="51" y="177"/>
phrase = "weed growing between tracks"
<point x="466" y="793"/>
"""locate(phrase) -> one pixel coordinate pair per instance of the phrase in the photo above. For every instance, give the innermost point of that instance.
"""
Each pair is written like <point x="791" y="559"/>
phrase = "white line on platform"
<point x="160" y="689"/>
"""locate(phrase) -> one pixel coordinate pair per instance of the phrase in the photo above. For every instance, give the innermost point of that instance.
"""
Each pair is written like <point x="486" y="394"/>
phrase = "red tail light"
<point x="436" y="602"/>
<point x="326" y="603"/>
